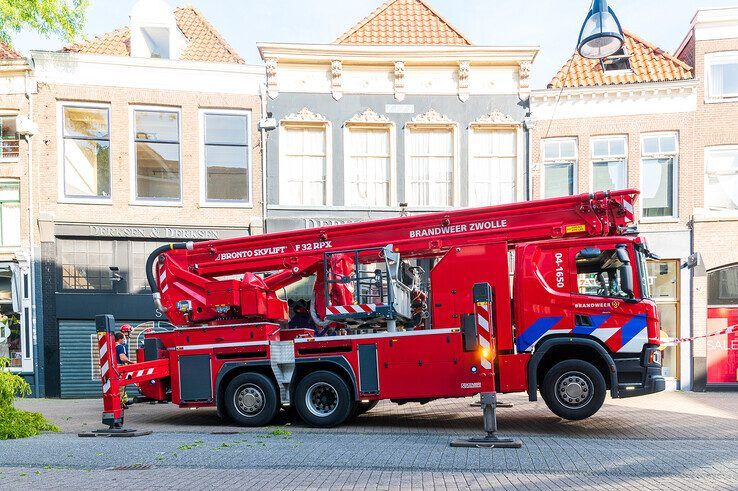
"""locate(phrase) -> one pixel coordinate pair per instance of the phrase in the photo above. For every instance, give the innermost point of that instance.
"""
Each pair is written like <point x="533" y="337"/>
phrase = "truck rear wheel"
<point x="251" y="399"/>
<point x="574" y="389"/>
<point x="323" y="399"/>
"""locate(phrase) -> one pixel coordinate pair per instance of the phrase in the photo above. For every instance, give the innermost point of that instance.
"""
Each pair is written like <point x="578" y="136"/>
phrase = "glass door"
<point x="664" y="285"/>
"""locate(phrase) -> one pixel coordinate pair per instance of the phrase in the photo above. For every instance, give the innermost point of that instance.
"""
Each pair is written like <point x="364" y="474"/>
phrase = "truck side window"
<point x="600" y="275"/>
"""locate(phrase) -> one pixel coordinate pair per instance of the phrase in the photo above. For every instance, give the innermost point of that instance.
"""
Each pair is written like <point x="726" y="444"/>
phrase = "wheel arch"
<point x="230" y="370"/>
<point x="553" y="350"/>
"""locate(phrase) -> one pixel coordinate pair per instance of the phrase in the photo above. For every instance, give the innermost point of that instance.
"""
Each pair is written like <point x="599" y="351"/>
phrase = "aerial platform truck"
<point x="549" y="295"/>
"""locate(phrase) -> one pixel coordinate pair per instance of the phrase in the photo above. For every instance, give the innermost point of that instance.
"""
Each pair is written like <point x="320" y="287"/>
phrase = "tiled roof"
<point x="411" y="22"/>
<point x="647" y="62"/>
<point x="204" y="43"/>
<point x="8" y="53"/>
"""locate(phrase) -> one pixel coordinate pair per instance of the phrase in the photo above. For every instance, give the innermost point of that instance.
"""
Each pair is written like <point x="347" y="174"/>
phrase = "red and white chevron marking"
<point x="481" y="312"/>
<point x="361" y="308"/>
<point x="141" y="373"/>
<point x="628" y="209"/>
<point x="102" y="345"/>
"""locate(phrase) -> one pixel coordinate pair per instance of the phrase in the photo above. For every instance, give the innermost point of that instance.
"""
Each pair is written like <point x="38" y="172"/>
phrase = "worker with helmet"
<point x="122" y="357"/>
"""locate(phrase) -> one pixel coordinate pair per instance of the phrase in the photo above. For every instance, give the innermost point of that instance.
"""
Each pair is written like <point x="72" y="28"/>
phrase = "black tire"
<point x="251" y="399"/>
<point x="574" y="389"/>
<point x="323" y="399"/>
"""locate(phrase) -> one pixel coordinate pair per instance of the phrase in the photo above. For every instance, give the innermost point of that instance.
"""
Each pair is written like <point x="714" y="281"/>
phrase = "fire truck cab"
<point x="548" y="296"/>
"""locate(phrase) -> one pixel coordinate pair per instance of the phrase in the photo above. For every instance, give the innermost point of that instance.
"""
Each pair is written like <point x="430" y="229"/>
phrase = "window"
<point x="616" y="63"/>
<point x="86" y="152"/>
<point x="722" y="286"/>
<point x="86" y="264"/>
<point x="226" y="157"/>
<point x="368" y="156"/>
<point x="8" y="138"/>
<point x="722" y="75"/>
<point x="721" y="178"/>
<point x="430" y="166"/>
<point x="156" y="139"/>
<point x="659" y="175"/>
<point x="609" y="170"/>
<point x="600" y="273"/>
<point x="303" y="166"/>
<point x="10" y="219"/>
<point x="559" y="167"/>
<point x="139" y="252"/>
<point x="492" y="166"/>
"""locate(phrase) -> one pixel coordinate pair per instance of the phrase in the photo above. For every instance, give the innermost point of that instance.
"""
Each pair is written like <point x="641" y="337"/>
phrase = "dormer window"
<point x="154" y="31"/>
<point x="157" y="40"/>
<point x="618" y="62"/>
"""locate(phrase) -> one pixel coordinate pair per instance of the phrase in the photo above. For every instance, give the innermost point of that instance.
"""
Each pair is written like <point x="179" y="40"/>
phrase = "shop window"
<point x="609" y="168"/>
<point x="86" y="152"/>
<point x="227" y="157"/>
<point x="10" y="219"/>
<point x="559" y="167"/>
<point x="9" y="140"/>
<point x="303" y="166"/>
<point x="722" y="76"/>
<point x="492" y="166"/>
<point x="157" y="155"/>
<point x="11" y="346"/>
<point x="139" y="253"/>
<point x="722" y="312"/>
<point x="658" y="174"/>
<point x="430" y="167"/>
<point x="368" y="155"/>
<point x="600" y="275"/>
<point x="721" y="178"/>
<point x="85" y="264"/>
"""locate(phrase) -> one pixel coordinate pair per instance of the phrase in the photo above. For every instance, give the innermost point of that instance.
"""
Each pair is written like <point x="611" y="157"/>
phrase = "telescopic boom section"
<point x="187" y="277"/>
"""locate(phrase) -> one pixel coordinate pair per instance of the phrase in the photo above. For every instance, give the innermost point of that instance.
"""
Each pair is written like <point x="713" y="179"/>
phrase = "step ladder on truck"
<point x="572" y="318"/>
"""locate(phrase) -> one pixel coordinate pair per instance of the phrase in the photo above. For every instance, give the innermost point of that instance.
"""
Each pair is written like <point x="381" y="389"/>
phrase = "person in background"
<point x="121" y="358"/>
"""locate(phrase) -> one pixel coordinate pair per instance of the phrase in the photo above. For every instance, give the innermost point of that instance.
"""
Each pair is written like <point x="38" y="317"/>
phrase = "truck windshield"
<point x="643" y="272"/>
<point x="602" y="275"/>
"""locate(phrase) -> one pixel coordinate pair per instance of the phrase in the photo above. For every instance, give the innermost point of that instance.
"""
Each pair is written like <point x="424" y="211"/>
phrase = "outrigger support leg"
<point x="491" y="439"/>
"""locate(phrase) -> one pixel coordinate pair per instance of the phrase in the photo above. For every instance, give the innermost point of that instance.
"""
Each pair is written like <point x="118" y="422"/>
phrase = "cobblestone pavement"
<point x="668" y="440"/>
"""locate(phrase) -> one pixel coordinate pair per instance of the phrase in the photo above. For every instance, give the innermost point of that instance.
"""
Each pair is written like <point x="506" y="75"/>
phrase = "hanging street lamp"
<point x="601" y="35"/>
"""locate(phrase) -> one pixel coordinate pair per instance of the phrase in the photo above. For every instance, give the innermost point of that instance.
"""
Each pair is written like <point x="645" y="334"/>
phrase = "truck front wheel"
<point x="251" y="399"/>
<point x="574" y="389"/>
<point x="323" y="399"/>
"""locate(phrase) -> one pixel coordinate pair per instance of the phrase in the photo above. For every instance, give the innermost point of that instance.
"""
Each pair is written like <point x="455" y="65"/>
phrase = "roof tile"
<point x="648" y="63"/>
<point x="204" y="43"/>
<point x="8" y="53"/>
<point x="402" y="22"/>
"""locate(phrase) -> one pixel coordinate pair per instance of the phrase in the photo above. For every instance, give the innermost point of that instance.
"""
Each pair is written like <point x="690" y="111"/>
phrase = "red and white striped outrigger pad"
<point x="360" y="308"/>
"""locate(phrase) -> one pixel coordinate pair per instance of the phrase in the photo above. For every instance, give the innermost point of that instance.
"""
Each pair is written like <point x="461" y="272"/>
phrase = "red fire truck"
<point x="548" y="296"/>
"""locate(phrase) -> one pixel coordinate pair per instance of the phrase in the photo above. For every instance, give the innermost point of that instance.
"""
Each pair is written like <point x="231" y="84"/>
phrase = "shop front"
<point x="95" y="269"/>
<point x="722" y="312"/>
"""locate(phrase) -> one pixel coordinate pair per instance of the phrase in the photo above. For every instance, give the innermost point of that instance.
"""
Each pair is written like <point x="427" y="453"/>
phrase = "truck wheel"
<point x="251" y="399"/>
<point x="323" y="399"/>
<point x="574" y="389"/>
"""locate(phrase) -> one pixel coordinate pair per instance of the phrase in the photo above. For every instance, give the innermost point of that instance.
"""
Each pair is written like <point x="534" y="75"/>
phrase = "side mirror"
<point x="622" y="251"/>
<point x="626" y="272"/>
<point x="590" y="253"/>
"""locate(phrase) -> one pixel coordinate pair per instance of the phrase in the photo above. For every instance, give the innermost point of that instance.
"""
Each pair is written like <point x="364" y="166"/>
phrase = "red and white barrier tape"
<point x="675" y="341"/>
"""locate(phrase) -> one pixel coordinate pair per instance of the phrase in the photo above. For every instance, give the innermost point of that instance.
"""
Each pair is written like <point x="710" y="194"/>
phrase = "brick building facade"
<point x="149" y="135"/>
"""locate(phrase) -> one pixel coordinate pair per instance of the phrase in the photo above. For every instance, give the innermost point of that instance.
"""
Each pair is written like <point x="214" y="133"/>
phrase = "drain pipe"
<point x="263" y="92"/>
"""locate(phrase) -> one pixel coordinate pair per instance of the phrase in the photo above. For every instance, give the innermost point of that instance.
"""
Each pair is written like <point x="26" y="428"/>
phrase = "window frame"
<point x="593" y="159"/>
<point x="545" y="161"/>
<point x="221" y="203"/>
<point x="455" y="188"/>
<point x="17" y="182"/>
<point x="519" y="171"/>
<point x="328" y="186"/>
<point x="714" y="58"/>
<point x="17" y="138"/>
<point x="392" y="173"/>
<point x="61" y="188"/>
<point x="134" y="199"/>
<point x="708" y="211"/>
<point x="675" y="185"/>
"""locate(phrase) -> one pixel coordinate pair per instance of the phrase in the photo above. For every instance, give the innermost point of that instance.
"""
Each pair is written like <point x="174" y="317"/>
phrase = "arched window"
<point x="722" y="286"/>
